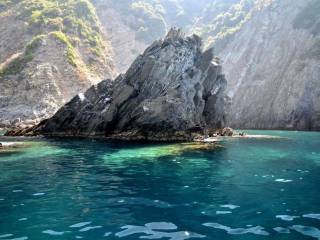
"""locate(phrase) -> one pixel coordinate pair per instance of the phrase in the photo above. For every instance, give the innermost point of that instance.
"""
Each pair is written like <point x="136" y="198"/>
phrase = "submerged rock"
<point x="173" y="91"/>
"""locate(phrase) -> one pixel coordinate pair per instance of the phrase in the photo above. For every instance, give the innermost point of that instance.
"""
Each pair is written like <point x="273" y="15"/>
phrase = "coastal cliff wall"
<point x="272" y="67"/>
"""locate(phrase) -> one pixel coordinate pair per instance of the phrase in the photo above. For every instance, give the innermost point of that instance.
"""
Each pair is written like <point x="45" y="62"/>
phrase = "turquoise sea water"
<point x="92" y="189"/>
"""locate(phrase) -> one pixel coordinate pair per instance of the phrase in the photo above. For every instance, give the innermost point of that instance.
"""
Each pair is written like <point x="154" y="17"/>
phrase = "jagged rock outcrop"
<point x="171" y="92"/>
<point x="269" y="48"/>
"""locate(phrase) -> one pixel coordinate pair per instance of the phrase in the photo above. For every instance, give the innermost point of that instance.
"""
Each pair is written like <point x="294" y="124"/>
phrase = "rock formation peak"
<point x="172" y="91"/>
<point x="175" y="34"/>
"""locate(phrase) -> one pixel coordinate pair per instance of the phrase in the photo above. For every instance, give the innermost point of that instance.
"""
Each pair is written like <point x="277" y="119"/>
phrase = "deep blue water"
<point x="92" y="189"/>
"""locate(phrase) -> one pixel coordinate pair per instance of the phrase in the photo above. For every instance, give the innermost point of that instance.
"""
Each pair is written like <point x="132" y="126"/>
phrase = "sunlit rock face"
<point x="171" y="91"/>
<point x="45" y="61"/>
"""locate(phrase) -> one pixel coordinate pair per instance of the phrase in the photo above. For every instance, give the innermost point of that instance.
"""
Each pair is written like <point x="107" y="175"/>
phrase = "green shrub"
<point x="72" y="17"/>
<point x="18" y="64"/>
<point x="71" y="52"/>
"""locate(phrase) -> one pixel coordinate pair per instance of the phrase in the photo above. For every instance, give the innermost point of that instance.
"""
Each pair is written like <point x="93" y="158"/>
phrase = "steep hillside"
<point x="272" y="67"/>
<point x="49" y="51"/>
<point x="131" y="25"/>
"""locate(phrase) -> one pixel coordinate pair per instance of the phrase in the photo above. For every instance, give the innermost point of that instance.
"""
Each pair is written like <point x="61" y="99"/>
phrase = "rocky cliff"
<point x="272" y="67"/>
<point x="171" y="92"/>
<point x="270" y="50"/>
<point x="49" y="51"/>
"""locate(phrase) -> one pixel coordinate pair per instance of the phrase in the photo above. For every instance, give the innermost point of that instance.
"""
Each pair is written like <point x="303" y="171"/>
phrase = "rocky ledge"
<point x="174" y="91"/>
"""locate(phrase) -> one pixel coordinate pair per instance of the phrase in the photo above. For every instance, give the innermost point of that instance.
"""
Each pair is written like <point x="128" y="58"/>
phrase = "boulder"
<point x="225" y="132"/>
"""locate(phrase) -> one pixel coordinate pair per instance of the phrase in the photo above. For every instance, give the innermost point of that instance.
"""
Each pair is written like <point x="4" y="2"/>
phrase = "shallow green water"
<point x="89" y="189"/>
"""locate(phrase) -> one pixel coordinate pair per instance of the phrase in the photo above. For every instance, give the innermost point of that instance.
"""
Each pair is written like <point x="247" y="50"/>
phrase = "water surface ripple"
<point x="93" y="189"/>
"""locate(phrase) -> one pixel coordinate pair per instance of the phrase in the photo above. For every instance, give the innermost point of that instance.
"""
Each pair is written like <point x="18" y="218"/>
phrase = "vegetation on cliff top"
<point x="71" y="52"/>
<point x="219" y="30"/>
<point x="75" y="18"/>
<point x="216" y="21"/>
<point x="72" y="22"/>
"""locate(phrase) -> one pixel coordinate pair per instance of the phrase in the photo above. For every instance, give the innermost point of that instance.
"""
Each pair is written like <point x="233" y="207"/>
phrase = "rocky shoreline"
<point x="213" y="136"/>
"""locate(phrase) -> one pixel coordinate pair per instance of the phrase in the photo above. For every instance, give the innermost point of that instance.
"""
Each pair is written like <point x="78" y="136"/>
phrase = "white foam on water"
<point x="141" y="201"/>
<point x="230" y="206"/>
<point x="151" y="234"/>
<point x="286" y="217"/>
<point x="22" y="219"/>
<point x="85" y="229"/>
<point x="52" y="232"/>
<point x="20" y="238"/>
<point x="131" y="229"/>
<point x="1" y="199"/>
<point x="307" y="231"/>
<point x="38" y="194"/>
<point x="6" y="235"/>
<point x="17" y="190"/>
<point x="258" y="230"/>
<point x="283" y="180"/>
<point x="161" y="226"/>
<point x="182" y="235"/>
<point x="79" y="237"/>
<point x="79" y="225"/>
<point x="107" y="234"/>
<point x="312" y="215"/>
<point x="282" y="230"/>
<point x="223" y="212"/>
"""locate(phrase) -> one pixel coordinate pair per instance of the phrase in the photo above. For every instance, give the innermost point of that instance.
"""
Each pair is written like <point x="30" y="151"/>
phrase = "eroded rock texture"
<point x="171" y="92"/>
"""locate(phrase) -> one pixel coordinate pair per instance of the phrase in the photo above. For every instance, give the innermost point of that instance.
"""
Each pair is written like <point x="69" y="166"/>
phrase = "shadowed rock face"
<point x="170" y="92"/>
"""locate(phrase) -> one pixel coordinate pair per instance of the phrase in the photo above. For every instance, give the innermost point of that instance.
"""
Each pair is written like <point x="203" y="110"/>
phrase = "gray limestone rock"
<point x="171" y="92"/>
